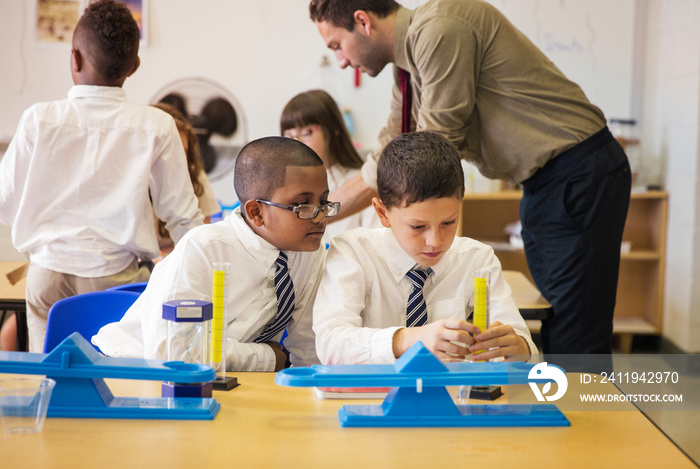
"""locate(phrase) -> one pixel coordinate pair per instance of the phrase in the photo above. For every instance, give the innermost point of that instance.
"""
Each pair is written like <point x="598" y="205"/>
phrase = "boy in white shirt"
<point x="75" y="180"/>
<point x="283" y="190"/>
<point x="368" y="311"/>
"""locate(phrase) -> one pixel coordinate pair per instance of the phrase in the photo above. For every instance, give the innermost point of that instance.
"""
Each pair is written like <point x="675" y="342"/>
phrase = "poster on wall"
<point x="138" y="11"/>
<point x="56" y="19"/>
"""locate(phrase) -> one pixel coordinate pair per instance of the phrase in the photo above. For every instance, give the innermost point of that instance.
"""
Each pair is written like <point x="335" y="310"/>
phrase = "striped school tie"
<point x="416" y="311"/>
<point x="284" y="290"/>
<point x="404" y="80"/>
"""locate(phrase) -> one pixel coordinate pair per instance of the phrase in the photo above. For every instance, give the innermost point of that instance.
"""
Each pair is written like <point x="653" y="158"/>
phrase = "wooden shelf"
<point x="640" y="256"/>
<point x="634" y="326"/>
<point x="534" y="326"/>
<point x="639" y="308"/>
<point x="620" y="326"/>
<point x="646" y="255"/>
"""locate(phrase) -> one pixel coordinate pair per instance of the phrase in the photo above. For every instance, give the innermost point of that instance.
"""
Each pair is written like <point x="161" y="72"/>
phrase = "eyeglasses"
<point x="304" y="133"/>
<point x="307" y="211"/>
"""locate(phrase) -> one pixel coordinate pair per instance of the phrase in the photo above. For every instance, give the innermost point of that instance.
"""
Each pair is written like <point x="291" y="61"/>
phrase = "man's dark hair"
<point x="340" y="12"/>
<point x="262" y="164"/>
<point x="108" y="33"/>
<point x="418" y="166"/>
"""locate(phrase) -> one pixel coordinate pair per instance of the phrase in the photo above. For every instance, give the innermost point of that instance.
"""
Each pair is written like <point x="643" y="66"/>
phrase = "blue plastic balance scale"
<point x="81" y="391"/>
<point x="418" y="397"/>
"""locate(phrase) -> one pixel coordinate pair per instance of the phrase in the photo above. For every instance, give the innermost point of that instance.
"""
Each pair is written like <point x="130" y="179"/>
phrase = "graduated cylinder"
<point x="218" y="325"/>
<point x="482" y="299"/>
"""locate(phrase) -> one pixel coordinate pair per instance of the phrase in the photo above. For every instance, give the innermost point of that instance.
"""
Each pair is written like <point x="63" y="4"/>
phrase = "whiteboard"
<point x="591" y="41"/>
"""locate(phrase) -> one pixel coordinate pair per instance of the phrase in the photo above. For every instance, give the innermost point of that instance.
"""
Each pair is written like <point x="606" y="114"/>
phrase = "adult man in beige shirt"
<point x="478" y="81"/>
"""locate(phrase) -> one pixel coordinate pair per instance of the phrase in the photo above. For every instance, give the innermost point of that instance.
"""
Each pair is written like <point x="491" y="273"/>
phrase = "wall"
<point x="670" y="130"/>
<point x="591" y="41"/>
<point x="263" y="59"/>
<point x="266" y="58"/>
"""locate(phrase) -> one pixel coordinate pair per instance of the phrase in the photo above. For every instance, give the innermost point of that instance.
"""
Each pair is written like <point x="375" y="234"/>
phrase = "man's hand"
<point x="439" y="337"/>
<point x="353" y="196"/>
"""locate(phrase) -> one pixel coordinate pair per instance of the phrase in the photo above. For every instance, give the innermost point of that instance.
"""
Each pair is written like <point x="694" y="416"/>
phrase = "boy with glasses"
<point x="273" y="243"/>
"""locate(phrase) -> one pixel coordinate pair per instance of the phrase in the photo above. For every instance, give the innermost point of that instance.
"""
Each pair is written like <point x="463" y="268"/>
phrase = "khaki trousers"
<point x="45" y="287"/>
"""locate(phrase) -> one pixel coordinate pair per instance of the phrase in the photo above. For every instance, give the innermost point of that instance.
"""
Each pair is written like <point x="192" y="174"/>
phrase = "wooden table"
<point x="12" y="299"/>
<point x="264" y="425"/>
<point x="531" y="303"/>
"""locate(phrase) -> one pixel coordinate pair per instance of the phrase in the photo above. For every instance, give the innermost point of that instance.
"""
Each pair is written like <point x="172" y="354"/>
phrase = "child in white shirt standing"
<point x="366" y="302"/>
<point x="75" y="180"/>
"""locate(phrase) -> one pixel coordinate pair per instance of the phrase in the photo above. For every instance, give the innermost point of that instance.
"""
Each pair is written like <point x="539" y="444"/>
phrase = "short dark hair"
<point x="340" y="12"/>
<point x="110" y="35"/>
<point x="316" y="107"/>
<point x="418" y="166"/>
<point x="261" y="166"/>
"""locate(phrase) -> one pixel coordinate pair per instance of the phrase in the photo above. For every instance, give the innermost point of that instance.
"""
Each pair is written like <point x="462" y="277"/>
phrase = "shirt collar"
<point x="399" y="262"/>
<point x="262" y="251"/>
<point x="102" y="92"/>
<point x="403" y="19"/>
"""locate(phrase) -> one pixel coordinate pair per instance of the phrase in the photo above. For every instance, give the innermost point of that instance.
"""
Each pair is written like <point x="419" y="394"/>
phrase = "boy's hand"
<point x="280" y="356"/>
<point x="438" y="337"/>
<point x="502" y="339"/>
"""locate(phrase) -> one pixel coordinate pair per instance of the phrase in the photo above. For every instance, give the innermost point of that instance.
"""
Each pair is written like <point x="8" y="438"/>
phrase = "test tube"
<point x="481" y="318"/>
<point x="219" y="297"/>
<point x="482" y="281"/>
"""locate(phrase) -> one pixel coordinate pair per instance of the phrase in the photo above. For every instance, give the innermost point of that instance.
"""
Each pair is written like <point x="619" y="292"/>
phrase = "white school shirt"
<point x="186" y="274"/>
<point x="366" y="218"/>
<point x="75" y="180"/>
<point x="361" y="301"/>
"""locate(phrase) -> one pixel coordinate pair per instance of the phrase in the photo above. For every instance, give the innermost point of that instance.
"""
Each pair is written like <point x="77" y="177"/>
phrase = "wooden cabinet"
<point x="639" y="308"/>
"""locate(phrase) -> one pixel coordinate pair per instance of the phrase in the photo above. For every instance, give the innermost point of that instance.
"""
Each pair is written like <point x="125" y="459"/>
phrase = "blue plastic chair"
<point x="137" y="287"/>
<point x="85" y="314"/>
